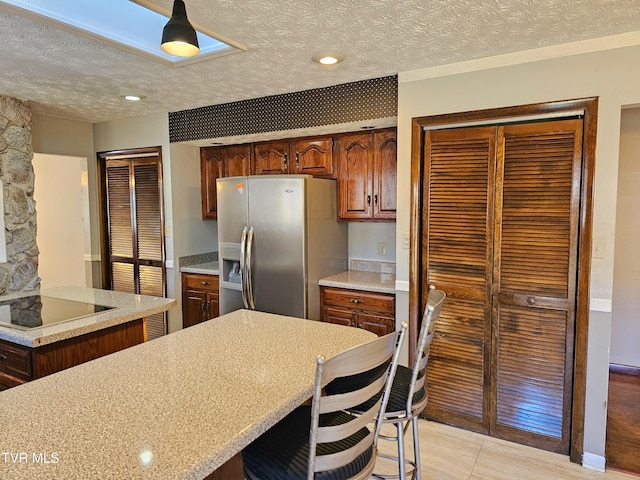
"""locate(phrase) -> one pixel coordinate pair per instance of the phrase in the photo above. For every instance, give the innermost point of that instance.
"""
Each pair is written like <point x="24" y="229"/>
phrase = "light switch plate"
<point x="405" y="240"/>
<point x="598" y="248"/>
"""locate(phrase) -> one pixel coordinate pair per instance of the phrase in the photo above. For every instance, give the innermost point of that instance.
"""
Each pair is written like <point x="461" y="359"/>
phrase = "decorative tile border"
<point x="337" y="104"/>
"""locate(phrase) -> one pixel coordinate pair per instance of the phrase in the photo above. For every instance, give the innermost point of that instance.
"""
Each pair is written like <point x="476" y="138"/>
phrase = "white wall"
<point x="612" y="75"/>
<point x="625" y="316"/>
<point x="364" y="238"/>
<point x="63" y="226"/>
<point x="191" y="234"/>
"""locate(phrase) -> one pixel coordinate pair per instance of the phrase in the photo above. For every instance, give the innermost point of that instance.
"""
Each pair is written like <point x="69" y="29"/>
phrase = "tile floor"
<point x="450" y="453"/>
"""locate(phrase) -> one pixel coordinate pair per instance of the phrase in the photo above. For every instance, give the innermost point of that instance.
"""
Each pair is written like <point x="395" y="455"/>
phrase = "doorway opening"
<point x="622" y="445"/>
<point x="62" y="206"/>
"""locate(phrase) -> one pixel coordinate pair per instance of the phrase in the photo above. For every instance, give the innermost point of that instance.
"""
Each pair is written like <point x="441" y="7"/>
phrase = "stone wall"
<point x="16" y="173"/>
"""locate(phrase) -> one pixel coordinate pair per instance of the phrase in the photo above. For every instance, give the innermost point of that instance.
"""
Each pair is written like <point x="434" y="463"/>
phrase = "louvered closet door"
<point x="457" y="258"/>
<point x="149" y="237"/>
<point x="536" y="239"/>
<point x="135" y="229"/>
<point x="120" y="224"/>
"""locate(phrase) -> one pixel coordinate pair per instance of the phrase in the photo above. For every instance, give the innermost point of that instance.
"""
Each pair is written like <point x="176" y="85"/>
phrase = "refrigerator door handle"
<point x="243" y="266"/>
<point x="249" y="270"/>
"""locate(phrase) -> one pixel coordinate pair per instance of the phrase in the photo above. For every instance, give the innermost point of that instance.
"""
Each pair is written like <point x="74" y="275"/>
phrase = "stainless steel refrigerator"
<point x="277" y="236"/>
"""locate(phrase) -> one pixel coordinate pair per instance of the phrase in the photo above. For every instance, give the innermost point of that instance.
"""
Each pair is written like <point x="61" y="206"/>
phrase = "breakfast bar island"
<point x="177" y="407"/>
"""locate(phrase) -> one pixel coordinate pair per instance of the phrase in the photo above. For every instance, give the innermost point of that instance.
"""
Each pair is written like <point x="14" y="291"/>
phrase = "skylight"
<point x="132" y="25"/>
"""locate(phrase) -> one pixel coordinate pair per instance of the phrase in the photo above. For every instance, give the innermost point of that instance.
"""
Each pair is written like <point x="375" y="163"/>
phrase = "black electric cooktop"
<point x="36" y="311"/>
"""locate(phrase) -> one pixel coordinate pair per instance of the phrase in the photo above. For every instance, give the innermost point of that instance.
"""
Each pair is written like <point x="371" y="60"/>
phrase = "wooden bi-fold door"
<point x="500" y="235"/>
<point x="133" y="228"/>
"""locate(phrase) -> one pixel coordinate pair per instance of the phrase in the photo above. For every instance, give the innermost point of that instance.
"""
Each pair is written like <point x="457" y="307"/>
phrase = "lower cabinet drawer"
<point x="371" y="311"/>
<point x="197" y="281"/>
<point x="378" y="302"/>
<point x="15" y="360"/>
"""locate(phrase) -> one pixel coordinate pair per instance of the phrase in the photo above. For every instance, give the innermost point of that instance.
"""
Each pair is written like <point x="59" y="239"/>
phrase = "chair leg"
<point x="401" y="465"/>
<point x="416" y="448"/>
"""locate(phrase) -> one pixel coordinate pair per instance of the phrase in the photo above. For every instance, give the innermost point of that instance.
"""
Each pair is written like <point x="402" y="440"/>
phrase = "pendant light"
<point x="178" y="36"/>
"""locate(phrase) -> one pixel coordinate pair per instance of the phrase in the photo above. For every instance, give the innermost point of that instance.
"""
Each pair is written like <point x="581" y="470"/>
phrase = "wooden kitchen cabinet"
<point x="20" y="364"/>
<point x="237" y="160"/>
<point x="370" y="311"/>
<point x="367" y="165"/>
<point x="364" y="164"/>
<point x="211" y="168"/>
<point x="217" y="162"/>
<point x="313" y="156"/>
<point x="304" y="156"/>
<point x="270" y="158"/>
<point x="200" y="299"/>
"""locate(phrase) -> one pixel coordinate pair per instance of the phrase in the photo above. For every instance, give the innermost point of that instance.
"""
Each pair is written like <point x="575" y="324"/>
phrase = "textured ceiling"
<point x="70" y="76"/>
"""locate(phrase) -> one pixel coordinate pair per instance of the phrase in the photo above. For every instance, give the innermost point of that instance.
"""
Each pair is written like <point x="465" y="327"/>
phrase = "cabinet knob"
<point x="356" y="300"/>
<point x="285" y="161"/>
<point x="206" y="283"/>
<point x="2" y="357"/>
<point x="375" y="199"/>
<point x="531" y="300"/>
<point x="368" y="199"/>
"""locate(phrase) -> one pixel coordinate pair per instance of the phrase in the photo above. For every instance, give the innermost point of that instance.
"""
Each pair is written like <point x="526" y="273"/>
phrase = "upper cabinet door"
<point x="211" y="168"/>
<point x="237" y="160"/>
<point x="384" y="174"/>
<point x="355" y="179"/>
<point x="367" y="175"/>
<point x="313" y="156"/>
<point x="271" y="158"/>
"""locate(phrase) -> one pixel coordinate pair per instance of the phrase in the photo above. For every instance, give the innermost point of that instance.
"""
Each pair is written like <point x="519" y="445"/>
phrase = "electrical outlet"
<point x="598" y="248"/>
<point x="382" y="249"/>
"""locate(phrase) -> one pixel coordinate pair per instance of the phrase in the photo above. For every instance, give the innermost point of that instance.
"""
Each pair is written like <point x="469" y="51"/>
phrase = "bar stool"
<point x="322" y="441"/>
<point x="408" y="395"/>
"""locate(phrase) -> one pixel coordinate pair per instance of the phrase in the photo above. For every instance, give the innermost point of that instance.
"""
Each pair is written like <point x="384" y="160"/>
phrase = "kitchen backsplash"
<point x="372" y="266"/>
<point x="197" y="259"/>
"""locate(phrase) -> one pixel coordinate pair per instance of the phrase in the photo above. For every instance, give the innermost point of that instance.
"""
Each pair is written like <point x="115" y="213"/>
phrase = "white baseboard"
<point x="593" y="461"/>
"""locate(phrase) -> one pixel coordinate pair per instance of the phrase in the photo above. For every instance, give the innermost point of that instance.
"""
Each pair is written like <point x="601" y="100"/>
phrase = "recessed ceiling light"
<point x="133" y="98"/>
<point x="328" y="58"/>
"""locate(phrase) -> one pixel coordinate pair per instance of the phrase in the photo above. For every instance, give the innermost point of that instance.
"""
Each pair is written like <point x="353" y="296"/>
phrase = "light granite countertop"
<point x="359" y="280"/>
<point x="177" y="407"/>
<point x="365" y="275"/>
<point x="127" y="307"/>
<point x="206" y="268"/>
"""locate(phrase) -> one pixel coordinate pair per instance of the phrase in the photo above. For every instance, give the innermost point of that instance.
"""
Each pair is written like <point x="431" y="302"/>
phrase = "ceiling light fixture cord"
<point x="178" y="36"/>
